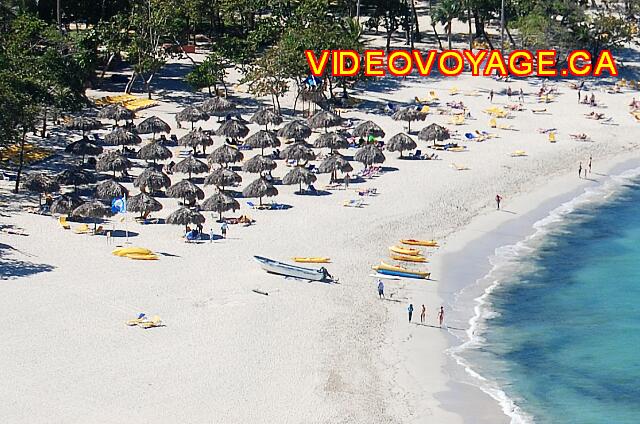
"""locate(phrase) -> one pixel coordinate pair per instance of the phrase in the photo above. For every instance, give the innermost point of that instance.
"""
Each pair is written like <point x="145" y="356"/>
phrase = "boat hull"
<point x="427" y="243"/>
<point x="405" y="251"/>
<point x="281" y="268"/>
<point x="403" y="274"/>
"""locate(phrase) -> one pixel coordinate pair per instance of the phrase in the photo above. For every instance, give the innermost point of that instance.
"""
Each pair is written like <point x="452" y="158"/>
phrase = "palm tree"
<point x="445" y="13"/>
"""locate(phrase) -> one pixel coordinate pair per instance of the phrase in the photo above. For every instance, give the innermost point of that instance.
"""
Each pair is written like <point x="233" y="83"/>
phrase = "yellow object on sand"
<point x="406" y="258"/>
<point x="124" y="251"/>
<point x="425" y="109"/>
<point x="453" y="91"/>
<point x="401" y="269"/>
<point x="413" y="242"/>
<point x="316" y="260"/>
<point x="63" y="222"/>
<point x="518" y="153"/>
<point x="31" y="153"/>
<point x="433" y="95"/>
<point x="142" y="256"/>
<point x="460" y="167"/>
<point x="155" y="321"/>
<point x="552" y="137"/>
<point x="493" y="123"/>
<point x="457" y="119"/>
<point x="457" y="149"/>
<point x="405" y="250"/>
<point x="82" y="229"/>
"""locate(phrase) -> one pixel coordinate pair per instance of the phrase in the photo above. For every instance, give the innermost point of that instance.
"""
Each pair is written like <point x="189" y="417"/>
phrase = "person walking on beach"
<point x="498" y="200"/>
<point x="509" y="93"/>
<point x="521" y="95"/>
<point x="211" y="235"/>
<point x="223" y="229"/>
<point x="423" y="314"/>
<point x="441" y="316"/>
<point x="491" y="96"/>
<point x="347" y="178"/>
<point x="590" y="159"/>
<point x="579" y="96"/>
<point x="580" y="170"/>
<point x="380" y="289"/>
<point x="410" y="309"/>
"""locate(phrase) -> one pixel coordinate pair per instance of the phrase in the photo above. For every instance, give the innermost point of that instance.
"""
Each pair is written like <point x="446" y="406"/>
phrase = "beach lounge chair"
<point x="493" y="123"/>
<point x="425" y="109"/>
<point x="353" y="203"/>
<point x="457" y="119"/>
<point x="259" y="207"/>
<point x="82" y="229"/>
<point x="422" y="100"/>
<point x="98" y="231"/>
<point x="63" y="222"/>
<point x="518" y="153"/>
<point x="141" y="318"/>
<point x="539" y="110"/>
<point x="471" y="137"/>
<point x="552" y="137"/>
<point x="174" y="138"/>
<point x="433" y="95"/>
<point x="460" y="167"/>
<point x="417" y="155"/>
<point x="154" y="321"/>
<point x="453" y="91"/>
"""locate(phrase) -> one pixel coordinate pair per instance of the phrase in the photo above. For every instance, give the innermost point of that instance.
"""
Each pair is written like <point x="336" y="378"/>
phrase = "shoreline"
<point x="477" y="243"/>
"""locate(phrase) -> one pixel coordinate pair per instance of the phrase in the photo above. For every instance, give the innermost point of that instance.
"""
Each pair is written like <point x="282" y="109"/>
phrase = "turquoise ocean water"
<point x="556" y="336"/>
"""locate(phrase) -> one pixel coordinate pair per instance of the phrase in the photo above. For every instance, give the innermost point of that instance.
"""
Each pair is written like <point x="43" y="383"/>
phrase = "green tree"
<point x="211" y="72"/>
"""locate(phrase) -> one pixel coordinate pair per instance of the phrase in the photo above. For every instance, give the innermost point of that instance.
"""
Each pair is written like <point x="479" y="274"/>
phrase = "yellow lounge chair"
<point x="155" y="321"/>
<point x="459" y="167"/>
<point x="454" y="91"/>
<point x="552" y="137"/>
<point x="433" y="95"/>
<point x="457" y="119"/>
<point x="493" y="123"/>
<point x="422" y="100"/>
<point x="425" y="109"/>
<point x="506" y="127"/>
<point x="63" y="222"/>
<point x="82" y="229"/>
<point x="518" y="153"/>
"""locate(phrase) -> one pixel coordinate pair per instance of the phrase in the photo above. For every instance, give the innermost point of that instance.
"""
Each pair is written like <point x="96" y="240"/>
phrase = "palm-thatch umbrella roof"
<point x="324" y="119"/>
<point x="400" y="142"/>
<point x="112" y="161"/>
<point x="109" y="189"/>
<point x="265" y="116"/>
<point x="409" y="114"/>
<point x="191" y="165"/>
<point x="195" y="138"/>
<point x="82" y="148"/>
<point x="143" y="203"/>
<point x="192" y="114"/>
<point x="217" y="105"/>
<point x="154" y="151"/>
<point x="262" y="139"/>
<point x="334" y="163"/>
<point x="116" y="112"/>
<point x="121" y="136"/>
<point x="225" y="154"/>
<point x="300" y="152"/>
<point x="232" y="128"/>
<point x="185" y="216"/>
<point x="186" y="190"/>
<point x="296" y="129"/>
<point x="368" y="128"/>
<point x="220" y="202"/>
<point x="65" y="204"/>
<point x="331" y="140"/>
<point x="83" y="123"/>
<point x="93" y="209"/>
<point x="222" y="177"/>
<point x="299" y="175"/>
<point x="152" y="179"/>
<point x="369" y="154"/>
<point x="40" y="183"/>
<point x="153" y="125"/>
<point x="75" y="176"/>
<point x="258" y="164"/>
<point x="434" y="132"/>
<point x="260" y="188"/>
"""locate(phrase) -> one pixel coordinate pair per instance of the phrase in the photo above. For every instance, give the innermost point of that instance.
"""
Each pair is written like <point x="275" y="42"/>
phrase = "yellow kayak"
<point x="142" y="257"/>
<point x="124" y="251"/>
<point x="413" y="242"/>
<point x="409" y="258"/>
<point x="317" y="260"/>
<point x="405" y="250"/>
<point x="386" y="267"/>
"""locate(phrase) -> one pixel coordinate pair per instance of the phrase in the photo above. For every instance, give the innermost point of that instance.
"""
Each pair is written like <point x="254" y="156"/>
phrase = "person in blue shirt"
<point x="410" y="309"/>
<point x="380" y="289"/>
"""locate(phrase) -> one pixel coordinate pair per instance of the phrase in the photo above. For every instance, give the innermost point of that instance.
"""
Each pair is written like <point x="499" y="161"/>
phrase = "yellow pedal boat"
<point x="385" y="267"/>
<point x="316" y="260"/>
<point x="406" y="258"/>
<point x="124" y="251"/>
<point x="413" y="242"/>
<point x="405" y="250"/>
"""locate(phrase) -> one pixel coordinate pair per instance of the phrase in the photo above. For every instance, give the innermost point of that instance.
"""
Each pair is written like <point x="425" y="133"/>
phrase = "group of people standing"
<point x="586" y="169"/>
<point x="423" y="312"/>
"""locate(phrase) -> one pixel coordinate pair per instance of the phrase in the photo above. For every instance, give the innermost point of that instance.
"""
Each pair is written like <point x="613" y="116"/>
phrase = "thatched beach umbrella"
<point x="154" y="151"/>
<point x="185" y="216"/>
<point x="191" y="165"/>
<point x="112" y="161"/>
<point x="152" y="179"/>
<point x="217" y="105"/>
<point x="121" y="136"/>
<point x="192" y="114"/>
<point x="369" y="154"/>
<point x="299" y="175"/>
<point x="409" y="114"/>
<point x="265" y="116"/>
<point x="324" y="119"/>
<point x="297" y="130"/>
<point x="300" y="152"/>
<point x="222" y="177"/>
<point x="233" y="129"/>
<point x="143" y="203"/>
<point x="40" y="183"/>
<point x="109" y="189"/>
<point x="75" y="176"/>
<point x="434" y="132"/>
<point x="185" y="190"/>
<point x="368" y="128"/>
<point x="93" y="209"/>
<point x="225" y="155"/>
<point x="196" y="138"/>
<point x="83" y="123"/>
<point x="400" y="142"/>
<point x="331" y="140"/>
<point x="83" y="148"/>
<point x="259" y="164"/>
<point x="220" y="202"/>
<point x="262" y="139"/>
<point x="260" y="188"/>
<point x="65" y="204"/>
<point x="116" y="112"/>
<point x="153" y="125"/>
<point x="334" y="163"/>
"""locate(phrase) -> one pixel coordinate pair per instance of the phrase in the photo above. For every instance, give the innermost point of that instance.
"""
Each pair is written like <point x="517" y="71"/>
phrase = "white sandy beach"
<point x="307" y="352"/>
